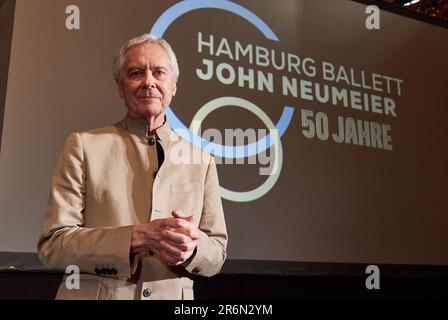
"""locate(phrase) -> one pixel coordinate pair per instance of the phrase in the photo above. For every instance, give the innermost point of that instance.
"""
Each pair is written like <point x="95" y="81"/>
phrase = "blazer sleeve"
<point x="211" y="251"/>
<point x="64" y="240"/>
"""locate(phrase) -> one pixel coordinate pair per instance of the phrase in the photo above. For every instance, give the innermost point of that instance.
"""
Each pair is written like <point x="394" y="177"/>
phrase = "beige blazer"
<point x="107" y="180"/>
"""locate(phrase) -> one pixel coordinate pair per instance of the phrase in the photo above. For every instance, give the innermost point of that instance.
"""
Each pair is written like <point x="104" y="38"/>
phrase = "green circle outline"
<point x="266" y="186"/>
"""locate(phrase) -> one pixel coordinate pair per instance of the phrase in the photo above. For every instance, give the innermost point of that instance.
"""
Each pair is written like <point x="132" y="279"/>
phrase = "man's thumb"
<point x="179" y="214"/>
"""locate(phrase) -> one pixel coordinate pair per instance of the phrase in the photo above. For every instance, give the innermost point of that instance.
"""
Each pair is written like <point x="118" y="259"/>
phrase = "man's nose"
<point x="148" y="80"/>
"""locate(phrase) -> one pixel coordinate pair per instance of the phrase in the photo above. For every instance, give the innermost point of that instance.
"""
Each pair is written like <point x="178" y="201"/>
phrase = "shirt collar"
<point x="140" y="127"/>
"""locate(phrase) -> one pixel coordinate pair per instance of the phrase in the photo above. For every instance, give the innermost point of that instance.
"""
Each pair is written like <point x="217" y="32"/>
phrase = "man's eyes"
<point x="159" y="72"/>
<point x="138" y="73"/>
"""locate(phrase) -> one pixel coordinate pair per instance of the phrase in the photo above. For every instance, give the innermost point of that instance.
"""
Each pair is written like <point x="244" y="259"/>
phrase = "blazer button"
<point x="147" y="293"/>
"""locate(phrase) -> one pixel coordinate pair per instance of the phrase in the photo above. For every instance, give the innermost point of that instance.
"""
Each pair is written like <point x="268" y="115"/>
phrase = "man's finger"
<point x="190" y="232"/>
<point x="174" y="223"/>
<point x="175" y="236"/>
<point x="184" y="247"/>
<point x="179" y="214"/>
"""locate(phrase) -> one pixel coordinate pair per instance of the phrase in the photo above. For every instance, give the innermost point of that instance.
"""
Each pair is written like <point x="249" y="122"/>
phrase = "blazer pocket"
<point x="185" y="187"/>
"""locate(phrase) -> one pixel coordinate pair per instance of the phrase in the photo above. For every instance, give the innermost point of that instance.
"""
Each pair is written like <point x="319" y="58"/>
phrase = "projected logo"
<point x="190" y="133"/>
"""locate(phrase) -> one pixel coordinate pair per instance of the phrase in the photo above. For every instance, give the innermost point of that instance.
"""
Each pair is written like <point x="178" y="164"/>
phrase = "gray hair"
<point x="144" y="39"/>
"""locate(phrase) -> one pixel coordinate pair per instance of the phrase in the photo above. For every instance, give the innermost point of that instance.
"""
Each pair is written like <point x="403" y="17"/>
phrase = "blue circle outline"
<point x="183" y="7"/>
<point x="160" y="27"/>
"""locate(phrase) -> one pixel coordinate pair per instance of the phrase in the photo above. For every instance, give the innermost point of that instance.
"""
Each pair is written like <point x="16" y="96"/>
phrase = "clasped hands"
<point x="172" y="240"/>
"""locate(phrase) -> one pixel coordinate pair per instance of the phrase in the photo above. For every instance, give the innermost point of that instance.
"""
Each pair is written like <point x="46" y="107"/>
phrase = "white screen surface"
<point x="331" y="202"/>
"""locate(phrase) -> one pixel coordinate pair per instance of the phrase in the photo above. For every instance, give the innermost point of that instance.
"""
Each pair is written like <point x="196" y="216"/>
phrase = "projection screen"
<point x="343" y="153"/>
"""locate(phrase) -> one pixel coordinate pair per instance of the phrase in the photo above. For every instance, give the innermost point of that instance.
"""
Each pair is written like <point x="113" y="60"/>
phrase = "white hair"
<point x="144" y="39"/>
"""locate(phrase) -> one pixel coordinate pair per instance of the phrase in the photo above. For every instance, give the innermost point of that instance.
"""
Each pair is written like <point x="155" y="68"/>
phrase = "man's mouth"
<point x="149" y="97"/>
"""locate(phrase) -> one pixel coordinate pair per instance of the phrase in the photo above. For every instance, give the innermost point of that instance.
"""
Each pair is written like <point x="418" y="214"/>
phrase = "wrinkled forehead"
<point x="148" y="54"/>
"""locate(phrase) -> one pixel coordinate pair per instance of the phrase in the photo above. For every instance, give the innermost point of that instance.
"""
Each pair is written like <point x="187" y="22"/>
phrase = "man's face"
<point x="146" y="82"/>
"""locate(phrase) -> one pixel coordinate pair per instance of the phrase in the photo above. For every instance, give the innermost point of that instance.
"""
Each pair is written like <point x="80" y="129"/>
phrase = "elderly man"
<point x="135" y="222"/>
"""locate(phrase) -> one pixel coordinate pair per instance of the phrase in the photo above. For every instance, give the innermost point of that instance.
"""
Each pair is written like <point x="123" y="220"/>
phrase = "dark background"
<point x="332" y="233"/>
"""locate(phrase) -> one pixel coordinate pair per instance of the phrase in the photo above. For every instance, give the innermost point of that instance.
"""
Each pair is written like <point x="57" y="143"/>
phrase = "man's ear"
<point x="120" y="90"/>
<point x="175" y="89"/>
